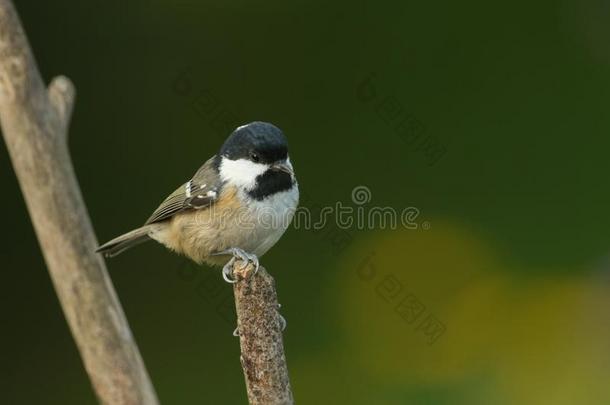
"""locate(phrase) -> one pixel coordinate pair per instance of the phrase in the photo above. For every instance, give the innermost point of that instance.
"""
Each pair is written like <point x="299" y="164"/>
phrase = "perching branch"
<point x="34" y="124"/>
<point x="260" y="337"/>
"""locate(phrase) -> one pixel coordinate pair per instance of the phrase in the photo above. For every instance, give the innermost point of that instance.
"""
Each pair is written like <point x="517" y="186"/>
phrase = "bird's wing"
<point x="199" y="192"/>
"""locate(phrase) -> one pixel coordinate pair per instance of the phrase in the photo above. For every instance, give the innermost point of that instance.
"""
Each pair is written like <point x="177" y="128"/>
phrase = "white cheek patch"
<point x="241" y="172"/>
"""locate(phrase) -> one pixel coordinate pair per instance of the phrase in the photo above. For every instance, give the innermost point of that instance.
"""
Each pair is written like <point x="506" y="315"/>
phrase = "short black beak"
<point x="283" y="167"/>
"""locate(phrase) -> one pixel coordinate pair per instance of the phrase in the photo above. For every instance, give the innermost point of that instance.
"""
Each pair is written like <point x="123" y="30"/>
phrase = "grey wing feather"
<point x="199" y="192"/>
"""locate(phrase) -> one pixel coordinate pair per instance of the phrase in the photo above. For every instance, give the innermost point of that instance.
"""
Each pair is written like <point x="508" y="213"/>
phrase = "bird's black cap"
<point x="257" y="141"/>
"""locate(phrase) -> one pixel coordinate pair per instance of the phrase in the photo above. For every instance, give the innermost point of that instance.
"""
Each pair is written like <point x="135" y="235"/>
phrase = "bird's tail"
<point x="125" y="241"/>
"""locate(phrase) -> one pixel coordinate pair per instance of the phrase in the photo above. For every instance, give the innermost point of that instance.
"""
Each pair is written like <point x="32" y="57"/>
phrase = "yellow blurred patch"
<point x="439" y="308"/>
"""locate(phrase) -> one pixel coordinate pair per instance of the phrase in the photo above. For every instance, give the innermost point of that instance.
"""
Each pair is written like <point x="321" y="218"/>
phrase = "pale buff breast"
<point x="228" y="223"/>
<point x="272" y="215"/>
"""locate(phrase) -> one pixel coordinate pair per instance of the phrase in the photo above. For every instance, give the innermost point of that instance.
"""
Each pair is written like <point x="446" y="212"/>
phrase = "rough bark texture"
<point x="34" y="124"/>
<point x="260" y="337"/>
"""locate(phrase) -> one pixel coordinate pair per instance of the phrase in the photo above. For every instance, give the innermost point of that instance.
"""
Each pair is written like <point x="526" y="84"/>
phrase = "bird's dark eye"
<point x="254" y="157"/>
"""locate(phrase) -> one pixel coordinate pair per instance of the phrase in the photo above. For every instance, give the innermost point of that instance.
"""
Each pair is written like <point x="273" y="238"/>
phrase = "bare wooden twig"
<point x="34" y="123"/>
<point x="260" y="336"/>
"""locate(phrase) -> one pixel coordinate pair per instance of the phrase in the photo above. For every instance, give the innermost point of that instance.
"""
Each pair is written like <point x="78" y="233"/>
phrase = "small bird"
<point x="236" y="206"/>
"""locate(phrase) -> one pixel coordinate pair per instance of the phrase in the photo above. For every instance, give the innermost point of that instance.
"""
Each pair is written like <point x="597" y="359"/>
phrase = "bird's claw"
<point x="240" y="254"/>
<point x="227" y="271"/>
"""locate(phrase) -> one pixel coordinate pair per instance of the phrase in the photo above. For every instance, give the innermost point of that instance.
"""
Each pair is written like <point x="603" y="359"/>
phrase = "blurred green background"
<point x="514" y="268"/>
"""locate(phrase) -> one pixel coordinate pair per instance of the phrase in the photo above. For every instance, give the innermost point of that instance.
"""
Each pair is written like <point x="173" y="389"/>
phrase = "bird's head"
<point x="255" y="158"/>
